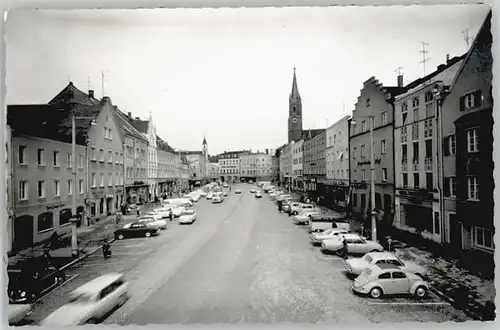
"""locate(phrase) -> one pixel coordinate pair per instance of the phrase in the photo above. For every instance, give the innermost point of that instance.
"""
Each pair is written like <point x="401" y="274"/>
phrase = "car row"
<point x="376" y="272"/>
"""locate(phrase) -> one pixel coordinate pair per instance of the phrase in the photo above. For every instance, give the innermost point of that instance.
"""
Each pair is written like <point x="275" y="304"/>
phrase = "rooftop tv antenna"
<point x="424" y="53"/>
<point x="399" y="70"/>
<point x="102" y="82"/>
<point x="467" y="38"/>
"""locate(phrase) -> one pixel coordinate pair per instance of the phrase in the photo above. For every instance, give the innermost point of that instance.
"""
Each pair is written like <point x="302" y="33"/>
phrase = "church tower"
<point x="294" y="112"/>
<point x="205" y="157"/>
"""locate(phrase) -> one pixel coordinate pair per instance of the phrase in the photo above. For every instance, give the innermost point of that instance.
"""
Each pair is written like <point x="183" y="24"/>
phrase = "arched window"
<point x="64" y="216"/>
<point x="45" y="221"/>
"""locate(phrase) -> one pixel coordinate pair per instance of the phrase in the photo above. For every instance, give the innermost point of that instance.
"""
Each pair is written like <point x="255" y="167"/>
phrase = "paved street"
<point x="241" y="261"/>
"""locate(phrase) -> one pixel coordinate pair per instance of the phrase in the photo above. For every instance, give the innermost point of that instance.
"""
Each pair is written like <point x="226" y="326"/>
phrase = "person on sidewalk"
<point x="280" y="206"/>
<point x="343" y="250"/>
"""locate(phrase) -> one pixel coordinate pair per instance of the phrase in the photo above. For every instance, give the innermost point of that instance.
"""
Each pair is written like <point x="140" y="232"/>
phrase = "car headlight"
<point x="22" y="294"/>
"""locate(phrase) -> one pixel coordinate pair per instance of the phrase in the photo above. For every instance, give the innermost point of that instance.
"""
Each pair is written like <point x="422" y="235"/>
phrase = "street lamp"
<point x="74" y="220"/>
<point x="372" y="175"/>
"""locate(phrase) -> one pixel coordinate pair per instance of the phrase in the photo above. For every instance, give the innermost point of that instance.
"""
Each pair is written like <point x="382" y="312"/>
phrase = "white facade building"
<point x="297" y="164"/>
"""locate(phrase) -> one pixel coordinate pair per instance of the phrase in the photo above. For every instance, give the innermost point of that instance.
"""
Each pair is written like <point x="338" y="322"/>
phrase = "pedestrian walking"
<point x="280" y="206"/>
<point x="343" y="251"/>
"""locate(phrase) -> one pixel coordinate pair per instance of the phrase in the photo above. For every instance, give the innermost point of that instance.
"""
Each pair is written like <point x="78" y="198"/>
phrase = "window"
<point x="428" y="148"/>
<point x="414" y="131"/>
<point x="404" y="106"/>
<point x="110" y="156"/>
<point x="23" y="190"/>
<point x="101" y="155"/>
<point x="64" y="216"/>
<point x="40" y="160"/>
<point x="398" y="275"/>
<point x="472" y="140"/>
<point x="383" y="118"/>
<point x="45" y="221"/>
<point x="94" y="180"/>
<point x="428" y="181"/>
<point x="483" y="238"/>
<point x="93" y="154"/>
<point x="415" y="114"/>
<point x="23" y="155"/>
<point x="107" y="133"/>
<point x="70" y="187"/>
<point x="110" y="179"/>
<point x="102" y="180"/>
<point x="80" y="161"/>
<point x="428" y="128"/>
<point x="384" y="174"/>
<point x="453" y="186"/>
<point x="383" y="147"/>
<point x="429" y="110"/>
<point x="473" y="188"/>
<point x="363" y="175"/>
<point x="415" y="151"/>
<point x="354" y="153"/>
<point x="384" y="276"/>
<point x="404" y="134"/>
<point x="437" y="223"/>
<point x="451" y="145"/>
<point x="416" y="180"/>
<point x="404" y="152"/>
<point x="41" y="189"/>
<point x="429" y="96"/>
<point x="471" y="100"/>
<point x="368" y="103"/>
<point x="81" y="187"/>
<point x="363" y="126"/>
<point x="363" y="150"/>
<point x="69" y="160"/>
<point x="55" y="159"/>
<point x="354" y="175"/>
<point x="405" y="180"/>
<point x="415" y="102"/>
<point x="57" y="188"/>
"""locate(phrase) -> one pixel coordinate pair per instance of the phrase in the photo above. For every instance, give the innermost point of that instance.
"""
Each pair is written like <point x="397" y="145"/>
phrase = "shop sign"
<point x="98" y="193"/>
<point x="55" y="206"/>
<point x="377" y="161"/>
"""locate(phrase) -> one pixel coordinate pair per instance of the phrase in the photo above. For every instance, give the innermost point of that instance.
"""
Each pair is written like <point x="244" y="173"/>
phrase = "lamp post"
<point x="74" y="219"/>
<point x="372" y="175"/>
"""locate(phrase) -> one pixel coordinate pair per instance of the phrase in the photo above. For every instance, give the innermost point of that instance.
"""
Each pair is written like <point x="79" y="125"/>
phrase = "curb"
<point x="77" y="260"/>
<point x="453" y="303"/>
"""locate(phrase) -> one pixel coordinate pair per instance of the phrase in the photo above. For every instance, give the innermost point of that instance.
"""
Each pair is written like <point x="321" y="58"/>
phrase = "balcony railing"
<point x="415" y="164"/>
<point x="428" y="164"/>
<point x="404" y="165"/>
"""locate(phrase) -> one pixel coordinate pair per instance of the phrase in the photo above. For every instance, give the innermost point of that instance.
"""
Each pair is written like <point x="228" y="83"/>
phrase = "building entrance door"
<point x="23" y="232"/>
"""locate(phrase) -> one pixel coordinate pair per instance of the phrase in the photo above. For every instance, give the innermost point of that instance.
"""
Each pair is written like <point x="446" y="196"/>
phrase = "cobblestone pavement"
<point x="241" y="261"/>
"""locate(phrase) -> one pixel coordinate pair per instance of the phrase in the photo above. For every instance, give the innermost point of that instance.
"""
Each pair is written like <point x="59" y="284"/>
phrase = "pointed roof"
<point x="72" y="95"/>
<point x="163" y="145"/>
<point x="295" y="89"/>
<point x="204" y="140"/>
<point x="140" y="125"/>
<point x="126" y="126"/>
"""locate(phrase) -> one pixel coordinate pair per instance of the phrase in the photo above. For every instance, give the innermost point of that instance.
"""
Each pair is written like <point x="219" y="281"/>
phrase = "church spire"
<point x="204" y="140"/>
<point x="294" y="95"/>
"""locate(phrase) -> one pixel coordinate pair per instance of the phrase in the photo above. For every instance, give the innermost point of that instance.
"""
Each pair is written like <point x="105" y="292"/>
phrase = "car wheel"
<point x="295" y="213"/>
<point x="121" y="236"/>
<point x="61" y="278"/>
<point x="339" y="253"/>
<point x="421" y="292"/>
<point x="376" y="293"/>
<point x="33" y="296"/>
<point x="148" y="234"/>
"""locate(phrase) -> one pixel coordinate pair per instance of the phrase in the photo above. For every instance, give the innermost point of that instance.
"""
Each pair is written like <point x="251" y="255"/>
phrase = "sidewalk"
<point x="463" y="290"/>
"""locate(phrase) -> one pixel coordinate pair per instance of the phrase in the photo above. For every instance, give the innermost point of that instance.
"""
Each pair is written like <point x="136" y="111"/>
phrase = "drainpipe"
<point x="438" y="91"/>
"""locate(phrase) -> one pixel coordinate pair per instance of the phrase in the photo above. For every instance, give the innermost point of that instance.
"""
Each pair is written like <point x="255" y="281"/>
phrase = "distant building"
<point x="337" y="162"/>
<point x="168" y="172"/>
<point x="285" y="164"/>
<point x="315" y="163"/>
<point x="213" y="171"/>
<point x="229" y="163"/>
<point x="297" y="165"/>
<point x="256" y="166"/>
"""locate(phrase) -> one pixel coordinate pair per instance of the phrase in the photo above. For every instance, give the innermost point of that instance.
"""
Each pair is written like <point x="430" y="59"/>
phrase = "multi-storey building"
<point x="104" y="159"/>
<point x="315" y="163"/>
<point x="42" y="173"/>
<point x="168" y="171"/>
<point x="297" y="166"/>
<point x="229" y="163"/>
<point x="416" y="165"/>
<point x="337" y="162"/>
<point x="256" y="166"/>
<point x="285" y="164"/>
<point x="184" y="173"/>
<point x="213" y="171"/>
<point x="374" y="108"/>
<point x="468" y="152"/>
<point x="136" y="160"/>
<point x="9" y="189"/>
<point x="198" y="164"/>
<point x="148" y="130"/>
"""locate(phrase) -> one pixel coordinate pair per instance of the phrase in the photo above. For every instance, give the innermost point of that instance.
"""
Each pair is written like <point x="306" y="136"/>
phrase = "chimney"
<point x="129" y="115"/>
<point x="441" y="67"/>
<point x="91" y="94"/>
<point x="400" y="81"/>
<point x="267" y="151"/>
<point x="447" y="58"/>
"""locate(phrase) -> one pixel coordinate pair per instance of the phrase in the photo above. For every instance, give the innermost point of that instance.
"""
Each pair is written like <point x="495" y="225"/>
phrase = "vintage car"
<point x="188" y="216"/>
<point x="356" y="244"/>
<point x="389" y="279"/>
<point x="237" y="191"/>
<point x="153" y="221"/>
<point x="357" y="265"/>
<point x="318" y="238"/>
<point x="136" y="229"/>
<point x="91" y="302"/>
<point x="304" y="216"/>
<point x="258" y="194"/>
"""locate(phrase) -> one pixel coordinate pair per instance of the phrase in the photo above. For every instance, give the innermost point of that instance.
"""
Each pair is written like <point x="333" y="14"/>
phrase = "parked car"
<point x="188" y="216"/>
<point x="91" y="302"/>
<point x="136" y="229"/>
<point x="304" y="216"/>
<point x="210" y="195"/>
<point x="18" y="313"/>
<point x="356" y="244"/>
<point x="195" y="196"/>
<point x="225" y="185"/>
<point x="318" y="238"/>
<point x="297" y="207"/>
<point x="258" y="194"/>
<point x="252" y="190"/>
<point x="237" y="191"/>
<point x="324" y="221"/>
<point x="132" y="208"/>
<point x="357" y="265"/>
<point x="387" y="279"/>
<point x="224" y="193"/>
<point x="175" y="209"/>
<point x="163" y="212"/>
<point x="179" y="202"/>
<point x="288" y="204"/>
<point x="154" y="222"/>
<point x="189" y="197"/>
<point x="30" y="279"/>
<point x="217" y="199"/>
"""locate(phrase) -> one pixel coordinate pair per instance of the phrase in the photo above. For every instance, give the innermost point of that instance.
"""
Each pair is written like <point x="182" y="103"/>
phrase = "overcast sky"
<point x="228" y="72"/>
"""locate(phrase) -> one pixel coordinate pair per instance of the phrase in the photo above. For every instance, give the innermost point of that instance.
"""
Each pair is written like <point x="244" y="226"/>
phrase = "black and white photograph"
<point x="266" y="165"/>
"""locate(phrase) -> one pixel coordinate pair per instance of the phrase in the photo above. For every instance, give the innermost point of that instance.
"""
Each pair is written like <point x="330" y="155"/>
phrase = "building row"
<point x="118" y="159"/>
<point x="427" y="146"/>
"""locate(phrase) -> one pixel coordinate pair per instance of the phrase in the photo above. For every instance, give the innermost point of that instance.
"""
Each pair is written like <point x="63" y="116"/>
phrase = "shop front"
<point x="137" y="193"/>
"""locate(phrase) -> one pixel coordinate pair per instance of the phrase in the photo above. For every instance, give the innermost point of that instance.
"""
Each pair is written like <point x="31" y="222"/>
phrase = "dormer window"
<point x="368" y="103"/>
<point x="471" y="100"/>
